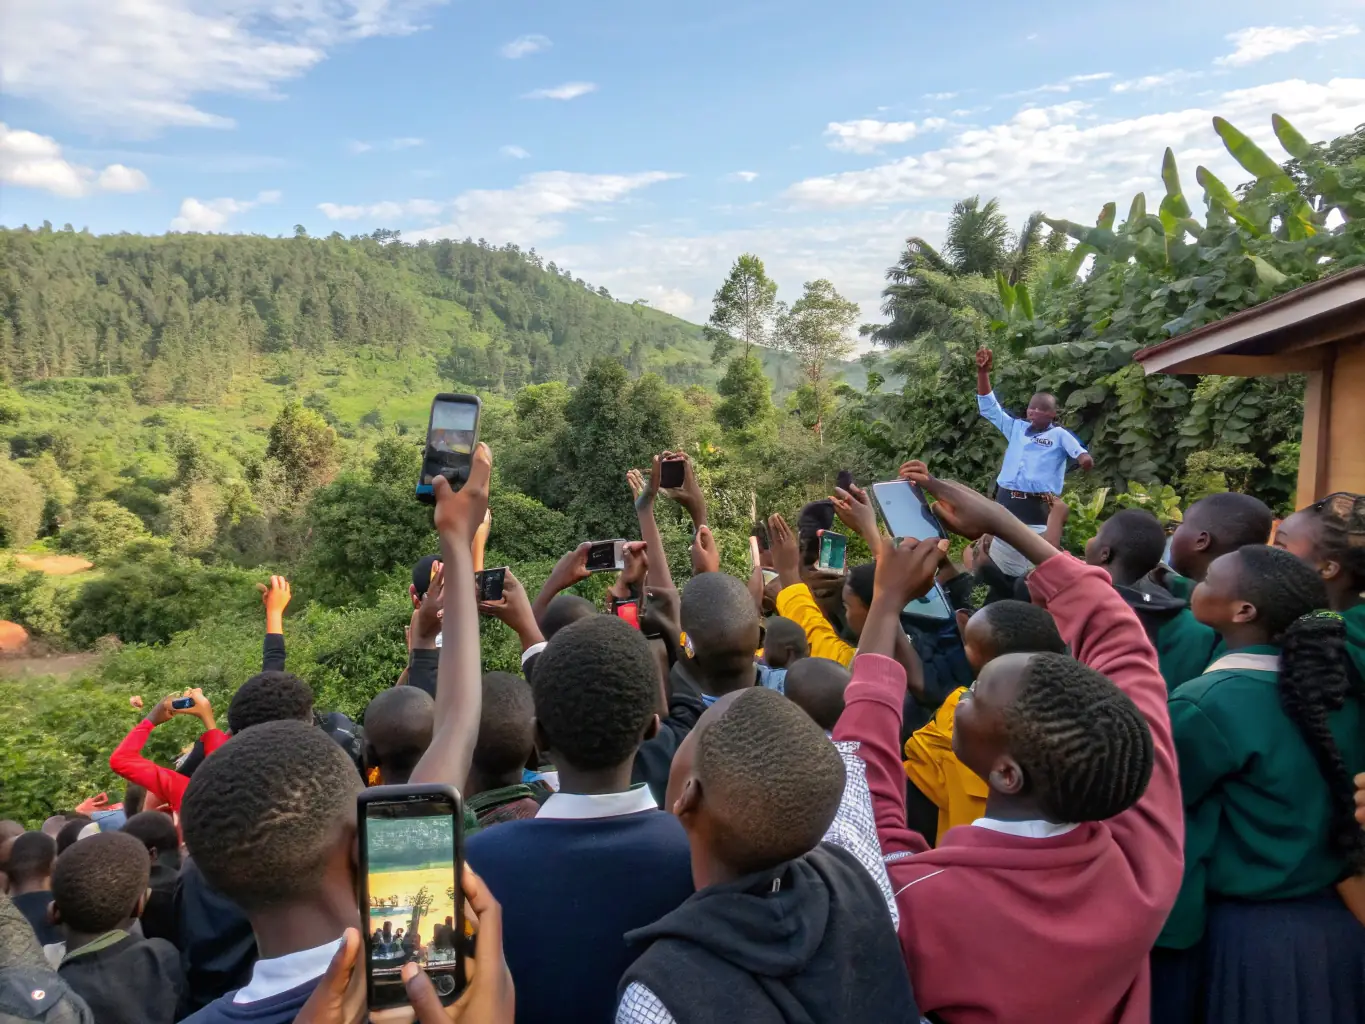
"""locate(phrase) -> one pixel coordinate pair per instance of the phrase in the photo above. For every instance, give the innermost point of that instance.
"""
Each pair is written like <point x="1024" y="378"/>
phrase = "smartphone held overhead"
<point x="672" y="473"/>
<point x="906" y="512"/>
<point x="452" y="433"/>
<point x="412" y="910"/>
<point x="489" y="583"/>
<point x="606" y="556"/>
<point x="182" y="703"/>
<point x="833" y="551"/>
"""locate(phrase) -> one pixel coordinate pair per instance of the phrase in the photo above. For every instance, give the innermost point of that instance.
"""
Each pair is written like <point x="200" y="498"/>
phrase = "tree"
<point x="746" y="394"/>
<point x="103" y="527"/>
<point x="305" y="446"/>
<point x="21" y="506"/>
<point x="816" y="331"/>
<point x="743" y="308"/>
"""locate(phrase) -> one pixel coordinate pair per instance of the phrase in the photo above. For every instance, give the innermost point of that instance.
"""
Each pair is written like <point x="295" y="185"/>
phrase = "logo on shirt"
<point x="1044" y="441"/>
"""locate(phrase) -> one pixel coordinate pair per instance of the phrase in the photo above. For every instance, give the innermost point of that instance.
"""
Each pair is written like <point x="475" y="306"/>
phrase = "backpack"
<point x="38" y="995"/>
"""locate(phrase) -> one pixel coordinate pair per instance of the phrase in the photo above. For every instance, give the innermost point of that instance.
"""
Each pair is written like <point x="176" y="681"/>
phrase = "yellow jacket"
<point x="931" y="765"/>
<point x="798" y="604"/>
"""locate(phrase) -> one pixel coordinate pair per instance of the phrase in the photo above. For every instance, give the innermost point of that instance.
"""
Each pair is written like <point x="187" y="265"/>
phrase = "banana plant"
<point x="1299" y="220"/>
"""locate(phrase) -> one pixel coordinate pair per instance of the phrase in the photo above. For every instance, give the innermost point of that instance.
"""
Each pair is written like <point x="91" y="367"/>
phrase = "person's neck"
<point x="478" y="782"/>
<point x="43" y="884"/>
<point x="1123" y="575"/>
<point x="75" y="939"/>
<point x="718" y="682"/>
<point x="299" y="926"/>
<point x="1003" y="807"/>
<point x="1342" y="597"/>
<point x="1239" y="635"/>
<point x="595" y="782"/>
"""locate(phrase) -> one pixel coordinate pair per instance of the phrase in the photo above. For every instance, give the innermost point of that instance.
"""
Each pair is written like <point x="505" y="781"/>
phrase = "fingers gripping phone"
<point x="606" y="556"/>
<point x="489" y="583"/>
<point x="906" y="512"/>
<point x="672" y="473"/>
<point x="411" y="902"/>
<point x="182" y="703"/>
<point x="452" y="432"/>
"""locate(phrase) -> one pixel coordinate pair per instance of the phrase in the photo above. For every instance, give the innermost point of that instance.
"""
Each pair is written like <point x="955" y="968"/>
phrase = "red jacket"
<point x="1005" y="928"/>
<point x="127" y="761"/>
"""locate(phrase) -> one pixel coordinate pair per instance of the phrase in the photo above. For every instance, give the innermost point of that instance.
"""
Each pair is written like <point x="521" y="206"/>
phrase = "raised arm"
<point x="275" y="596"/>
<point x="986" y="402"/>
<point x="795" y="601"/>
<point x="459" y="682"/>
<point x="127" y="760"/>
<point x="645" y="490"/>
<point x="689" y="495"/>
<point x="985" y="361"/>
<point x="570" y="569"/>
<point x="514" y="609"/>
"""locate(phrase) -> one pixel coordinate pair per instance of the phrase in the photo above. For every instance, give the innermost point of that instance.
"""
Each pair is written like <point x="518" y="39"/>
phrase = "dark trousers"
<point x="1030" y="509"/>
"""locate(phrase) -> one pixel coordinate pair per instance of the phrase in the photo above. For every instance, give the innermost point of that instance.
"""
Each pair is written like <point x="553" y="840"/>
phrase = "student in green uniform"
<point x="1330" y="536"/>
<point x="1268" y="739"/>
<point x="1129" y="547"/>
<point x="1213" y="526"/>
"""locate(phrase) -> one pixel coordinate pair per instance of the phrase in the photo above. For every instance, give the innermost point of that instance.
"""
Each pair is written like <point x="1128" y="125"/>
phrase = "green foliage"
<point x="305" y="446"/>
<point x="524" y="530"/>
<point x="101" y="528"/>
<point x="743" y="308"/>
<point x="746" y="395"/>
<point x="21" y="505"/>
<point x="37" y="602"/>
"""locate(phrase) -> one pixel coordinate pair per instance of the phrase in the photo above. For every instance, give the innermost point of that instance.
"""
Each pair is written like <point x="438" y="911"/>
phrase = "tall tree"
<point x="816" y="331"/>
<point x="743" y="308"/>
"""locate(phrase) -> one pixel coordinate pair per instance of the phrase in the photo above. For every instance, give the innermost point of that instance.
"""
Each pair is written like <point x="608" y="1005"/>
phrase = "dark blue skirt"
<point x="1299" y="961"/>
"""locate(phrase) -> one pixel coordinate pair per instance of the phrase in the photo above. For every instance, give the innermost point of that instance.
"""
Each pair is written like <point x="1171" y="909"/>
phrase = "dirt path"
<point x="61" y="665"/>
<point x="53" y="565"/>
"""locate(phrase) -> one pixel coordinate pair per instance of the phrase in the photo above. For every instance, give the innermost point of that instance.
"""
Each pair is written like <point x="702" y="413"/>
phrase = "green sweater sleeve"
<point x="1202" y="749"/>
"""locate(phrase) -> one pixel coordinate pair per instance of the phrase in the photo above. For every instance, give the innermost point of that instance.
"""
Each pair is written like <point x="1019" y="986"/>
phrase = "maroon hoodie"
<point x="1001" y="927"/>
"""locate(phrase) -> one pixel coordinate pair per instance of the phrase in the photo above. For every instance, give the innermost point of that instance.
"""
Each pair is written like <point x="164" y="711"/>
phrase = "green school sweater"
<point x="1185" y="647"/>
<point x="1257" y="810"/>
<point x="1355" y="640"/>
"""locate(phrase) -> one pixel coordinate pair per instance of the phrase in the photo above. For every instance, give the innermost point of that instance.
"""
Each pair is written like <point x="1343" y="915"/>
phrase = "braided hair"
<point x="1341" y="533"/>
<point x="1289" y="597"/>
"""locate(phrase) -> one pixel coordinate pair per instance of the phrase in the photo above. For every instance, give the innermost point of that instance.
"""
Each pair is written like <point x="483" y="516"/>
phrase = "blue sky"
<point x="643" y="145"/>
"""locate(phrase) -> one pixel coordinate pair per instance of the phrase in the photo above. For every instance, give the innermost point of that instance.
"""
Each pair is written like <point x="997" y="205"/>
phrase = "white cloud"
<point x="140" y="65"/>
<point x="868" y="136"/>
<point x="524" y="46"/>
<point x="356" y="147"/>
<point x="940" y="95"/>
<point x="407" y="142"/>
<point x="213" y="214"/>
<point x="385" y="211"/>
<point x="744" y="176"/>
<point x="515" y="152"/>
<point x="567" y="91"/>
<point x="1149" y="82"/>
<point x="30" y="160"/>
<point x="1064" y="86"/>
<point x="1063" y="153"/>
<point x="1253" y="44"/>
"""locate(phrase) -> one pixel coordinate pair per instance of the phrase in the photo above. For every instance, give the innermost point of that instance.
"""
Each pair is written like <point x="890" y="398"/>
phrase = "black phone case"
<point x="457" y="475"/>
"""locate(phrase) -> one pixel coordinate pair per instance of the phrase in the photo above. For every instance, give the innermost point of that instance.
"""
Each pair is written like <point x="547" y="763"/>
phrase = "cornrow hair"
<point x="1341" y="533"/>
<point x="1290" y="599"/>
<point x="1085" y="748"/>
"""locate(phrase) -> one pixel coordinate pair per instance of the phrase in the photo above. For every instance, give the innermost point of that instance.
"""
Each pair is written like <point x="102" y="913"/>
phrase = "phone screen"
<point x="490" y="583"/>
<point x="604" y="556"/>
<point x="905" y="511"/>
<point x="182" y="703"/>
<point x="414" y="908"/>
<point x="451" y="435"/>
<point x="833" y="551"/>
<point x="672" y="473"/>
<point x="932" y="605"/>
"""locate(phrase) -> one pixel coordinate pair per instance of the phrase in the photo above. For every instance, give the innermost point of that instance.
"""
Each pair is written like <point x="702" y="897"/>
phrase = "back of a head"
<point x="1232" y="520"/>
<point x="817" y="685"/>
<point x="813" y="517"/>
<point x="785" y="639"/>
<point x="264" y="813"/>
<point x="595" y="688"/>
<point x="1136" y="538"/>
<point x="564" y="610"/>
<point x="98" y="882"/>
<point x="1021" y="627"/>
<point x="398" y="726"/>
<point x="270" y="697"/>
<point x="421" y="575"/>
<point x="719" y="618"/>
<point x="1085" y="748"/>
<point x="71" y="832"/>
<point x="771" y="780"/>
<point x="156" y="831"/>
<point x="1341" y="533"/>
<point x="31" y="858"/>
<point x="506" y="725"/>
<point x="860" y="580"/>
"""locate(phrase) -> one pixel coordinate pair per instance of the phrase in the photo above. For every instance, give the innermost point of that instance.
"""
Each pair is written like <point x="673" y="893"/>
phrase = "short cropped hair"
<point x="270" y="697"/>
<point x="595" y="688"/>
<point x="860" y="579"/>
<point x="154" y="830"/>
<point x="779" y="631"/>
<point x="1085" y="748"/>
<point x="718" y="614"/>
<point x="564" y="610"/>
<point x="770" y="778"/>
<point x="97" y="883"/>
<point x="31" y="857"/>
<point x="399" y="723"/>
<point x="1136" y="538"/>
<point x="817" y="686"/>
<point x="260" y="815"/>
<point x="506" y="724"/>
<point x="1233" y="520"/>
<point x="71" y="831"/>
<point x="1020" y="627"/>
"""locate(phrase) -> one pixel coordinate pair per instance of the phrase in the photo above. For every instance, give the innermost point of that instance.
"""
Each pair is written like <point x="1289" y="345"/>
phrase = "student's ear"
<point x="1329" y="570"/>
<point x="651" y="730"/>
<point x="412" y="593"/>
<point x="54" y="916"/>
<point x="689" y="800"/>
<point x="961" y="616"/>
<point x="1203" y="541"/>
<point x="1244" y="611"/>
<point x="1006" y="775"/>
<point x="142" y="903"/>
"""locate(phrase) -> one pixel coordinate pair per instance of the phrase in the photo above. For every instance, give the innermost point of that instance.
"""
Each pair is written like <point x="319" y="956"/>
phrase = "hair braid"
<point x="1289" y="597"/>
<point x="1341" y="532"/>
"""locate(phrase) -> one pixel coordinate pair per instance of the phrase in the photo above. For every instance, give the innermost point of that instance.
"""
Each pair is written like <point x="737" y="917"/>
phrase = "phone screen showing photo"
<point x="905" y="512"/>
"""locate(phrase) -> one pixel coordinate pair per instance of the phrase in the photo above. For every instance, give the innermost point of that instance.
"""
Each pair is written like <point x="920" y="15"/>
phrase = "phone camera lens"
<point x="445" y="984"/>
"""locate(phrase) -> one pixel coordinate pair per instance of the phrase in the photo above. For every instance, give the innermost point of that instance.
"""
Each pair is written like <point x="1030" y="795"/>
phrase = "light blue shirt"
<point x="1034" y="463"/>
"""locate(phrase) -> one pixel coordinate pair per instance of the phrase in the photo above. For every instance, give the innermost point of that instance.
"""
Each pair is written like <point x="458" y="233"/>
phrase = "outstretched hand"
<point x="958" y="507"/>
<point x="854" y="509"/>
<point x="985" y="359"/>
<point x="689" y="495"/>
<point x="644" y="488"/>
<point x="426" y="620"/>
<point x="705" y="553"/>
<point x="785" y="550"/>
<point x="570" y="569"/>
<point x="905" y="571"/>
<point x="275" y="596"/>
<point x="459" y="514"/>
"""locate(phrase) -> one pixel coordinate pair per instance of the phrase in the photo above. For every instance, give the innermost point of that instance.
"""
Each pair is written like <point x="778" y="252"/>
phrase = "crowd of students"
<point x="1121" y="789"/>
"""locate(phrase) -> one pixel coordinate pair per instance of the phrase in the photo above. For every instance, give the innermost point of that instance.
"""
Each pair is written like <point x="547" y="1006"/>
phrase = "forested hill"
<point x="183" y="314"/>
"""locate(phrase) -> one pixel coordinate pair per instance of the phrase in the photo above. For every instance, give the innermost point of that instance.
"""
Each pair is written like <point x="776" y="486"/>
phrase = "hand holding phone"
<point x="906" y="512"/>
<point x="606" y="556"/>
<point x="833" y="551"/>
<point x="672" y="472"/>
<point x="488" y="584"/>
<point x="182" y="703"/>
<point x="452" y="433"/>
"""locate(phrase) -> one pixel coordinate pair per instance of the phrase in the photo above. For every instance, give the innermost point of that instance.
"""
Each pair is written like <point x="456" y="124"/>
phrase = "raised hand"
<point x="689" y="495"/>
<point x="906" y="571"/>
<point x="705" y="553"/>
<point x="425" y="626"/>
<point x="958" y="507"/>
<point x="200" y="709"/>
<point x="275" y="596"/>
<point x="785" y="550"/>
<point x="985" y="359"/>
<point x="636" y="555"/>
<point x="161" y="711"/>
<point x="570" y="569"/>
<point x="460" y="513"/>
<point x="854" y="509"/>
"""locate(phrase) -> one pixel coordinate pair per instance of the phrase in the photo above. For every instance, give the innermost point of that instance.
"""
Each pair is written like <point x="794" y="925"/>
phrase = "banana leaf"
<point x="1106" y="218"/>
<point x="1222" y="195"/>
<point x="1174" y="202"/>
<point x="1137" y="213"/>
<point x="1007" y="292"/>
<point x="1025" y="302"/>
<point x="1252" y="157"/>
<point x="1268" y="274"/>
<point x="1294" y="144"/>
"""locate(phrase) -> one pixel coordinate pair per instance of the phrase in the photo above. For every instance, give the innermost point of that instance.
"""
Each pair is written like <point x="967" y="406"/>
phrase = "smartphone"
<point x="906" y="512"/>
<point x="488" y="583"/>
<point x="411" y="903"/>
<point x="672" y="473"/>
<point x="182" y="703"/>
<point x="607" y="556"/>
<point x="452" y="432"/>
<point x="933" y="605"/>
<point x="833" y="551"/>
<point x="627" y="609"/>
<point x="769" y="575"/>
